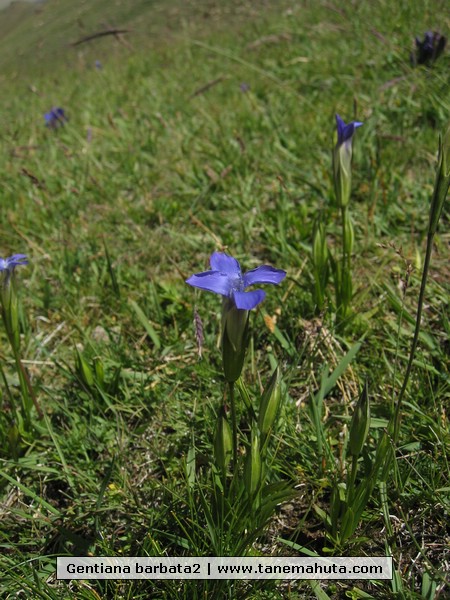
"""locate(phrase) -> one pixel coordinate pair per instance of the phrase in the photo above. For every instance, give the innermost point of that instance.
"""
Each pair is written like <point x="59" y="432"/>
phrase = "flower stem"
<point x="26" y="388"/>
<point x="426" y="266"/>
<point x="345" y="269"/>
<point x="233" y="422"/>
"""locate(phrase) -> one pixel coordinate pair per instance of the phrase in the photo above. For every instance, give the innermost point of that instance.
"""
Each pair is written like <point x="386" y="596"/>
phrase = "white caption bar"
<point x="232" y="567"/>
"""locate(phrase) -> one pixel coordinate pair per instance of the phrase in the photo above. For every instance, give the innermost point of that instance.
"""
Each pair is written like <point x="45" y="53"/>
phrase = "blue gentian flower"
<point x="427" y="44"/>
<point x="226" y="279"/>
<point x="430" y="49"/>
<point x="345" y="132"/>
<point x="342" y="160"/>
<point x="8" y="298"/>
<point x="55" y="118"/>
<point x="7" y="265"/>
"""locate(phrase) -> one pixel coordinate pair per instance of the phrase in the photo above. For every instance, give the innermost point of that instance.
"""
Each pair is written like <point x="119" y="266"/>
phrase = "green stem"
<point x="26" y="388"/>
<point x="345" y="268"/>
<point x="415" y="341"/>
<point x="233" y="422"/>
<point x="344" y="236"/>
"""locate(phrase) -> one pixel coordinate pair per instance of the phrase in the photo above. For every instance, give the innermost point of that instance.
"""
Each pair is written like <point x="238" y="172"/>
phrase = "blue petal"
<point x="224" y="263"/>
<point x="248" y="300"/>
<point x="345" y="132"/>
<point x="17" y="258"/>
<point x="212" y="281"/>
<point x="340" y="124"/>
<point x="350" y="129"/>
<point x="263" y="274"/>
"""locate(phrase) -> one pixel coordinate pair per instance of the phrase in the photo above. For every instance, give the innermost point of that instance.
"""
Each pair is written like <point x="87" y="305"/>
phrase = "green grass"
<point x="154" y="172"/>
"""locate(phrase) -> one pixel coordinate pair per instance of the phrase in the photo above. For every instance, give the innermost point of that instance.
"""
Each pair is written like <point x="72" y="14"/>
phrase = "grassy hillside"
<point x="36" y="39"/>
<point x="208" y="126"/>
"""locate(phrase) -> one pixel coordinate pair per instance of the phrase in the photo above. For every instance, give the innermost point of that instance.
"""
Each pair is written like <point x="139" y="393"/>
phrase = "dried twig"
<point x="207" y="86"/>
<point x="93" y="36"/>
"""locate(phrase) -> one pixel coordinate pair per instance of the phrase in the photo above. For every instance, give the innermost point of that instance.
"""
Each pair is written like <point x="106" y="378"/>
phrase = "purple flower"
<point x="342" y="160"/>
<point x="345" y="132"/>
<point x="7" y="266"/>
<point x="55" y="118"/>
<point x="427" y="44"/>
<point x="226" y="279"/>
<point x="16" y="260"/>
<point x="430" y="49"/>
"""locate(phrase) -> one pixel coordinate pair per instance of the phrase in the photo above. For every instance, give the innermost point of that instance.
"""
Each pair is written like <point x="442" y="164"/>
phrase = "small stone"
<point x="100" y="335"/>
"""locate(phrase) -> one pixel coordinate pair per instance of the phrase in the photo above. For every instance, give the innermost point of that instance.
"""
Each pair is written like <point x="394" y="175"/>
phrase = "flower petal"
<point x="263" y="274"/>
<point x="345" y="132"/>
<point x="350" y="129"/>
<point x="18" y="259"/>
<point x="248" y="300"/>
<point x="17" y="256"/>
<point x="224" y="263"/>
<point x="340" y="125"/>
<point x="212" y="281"/>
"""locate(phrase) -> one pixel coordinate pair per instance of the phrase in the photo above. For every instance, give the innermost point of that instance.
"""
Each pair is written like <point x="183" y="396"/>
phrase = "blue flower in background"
<point x="428" y="50"/>
<point x="55" y="118"/>
<point x="7" y="265"/>
<point x="342" y="160"/>
<point x="226" y="279"/>
<point x="427" y="44"/>
<point x="98" y="65"/>
<point x="345" y="132"/>
<point x="16" y="260"/>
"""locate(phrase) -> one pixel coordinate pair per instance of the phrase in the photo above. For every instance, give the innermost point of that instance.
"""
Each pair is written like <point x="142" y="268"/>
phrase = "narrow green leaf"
<point x="342" y="366"/>
<point x="111" y="271"/>
<point x="30" y="493"/>
<point x="318" y="591"/>
<point x="146" y="324"/>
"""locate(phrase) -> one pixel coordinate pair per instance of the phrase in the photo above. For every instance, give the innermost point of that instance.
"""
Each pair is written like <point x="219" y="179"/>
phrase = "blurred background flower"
<point x="428" y="50"/>
<point x="55" y="117"/>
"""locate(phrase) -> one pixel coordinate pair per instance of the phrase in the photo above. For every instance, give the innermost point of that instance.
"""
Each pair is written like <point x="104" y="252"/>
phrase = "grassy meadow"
<point x="209" y="126"/>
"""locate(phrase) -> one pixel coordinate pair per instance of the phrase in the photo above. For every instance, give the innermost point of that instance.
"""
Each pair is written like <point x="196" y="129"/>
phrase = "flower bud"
<point x="360" y="423"/>
<point x="270" y="403"/>
<point x="84" y="370"/>
<point x="99" y="371"/>
<point x="342" y="160"/>
<point x="223" y="442"/>
<point x="253" y="466"/>
<point x="342" y="170"/>
<point x="8" y="297"/>
<point x="320" y="264"/>
<point x="320" y="249"/>
<point x="442" y="182"/>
